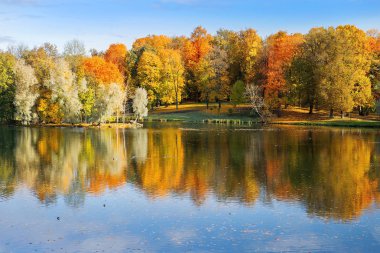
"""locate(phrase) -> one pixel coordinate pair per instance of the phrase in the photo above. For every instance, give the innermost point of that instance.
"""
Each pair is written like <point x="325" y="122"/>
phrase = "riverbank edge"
<point x="331" y="123"/>
<point x="256" y="121"/>
<point x="221" y="121"/>
<point x="82" y="125"/>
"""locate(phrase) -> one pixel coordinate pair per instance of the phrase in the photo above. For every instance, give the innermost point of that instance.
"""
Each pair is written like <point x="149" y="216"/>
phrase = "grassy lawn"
<point x="300" y="116"/>
<point x="197" y="112"/>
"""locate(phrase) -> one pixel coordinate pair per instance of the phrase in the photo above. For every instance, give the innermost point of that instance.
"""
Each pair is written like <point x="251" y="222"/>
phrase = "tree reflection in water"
<point x="333" y="172"/>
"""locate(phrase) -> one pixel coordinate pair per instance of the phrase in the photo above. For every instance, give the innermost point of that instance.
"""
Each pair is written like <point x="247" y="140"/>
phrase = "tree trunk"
<point x="124" y="111"/>
<point x="176" y="101"/>
<point x="341" y="114"/>
<point x="278" y="111"/>
<point x="207" y="104"/>
<point x="331" y="113"/>
<point x="299" y="99"/>
<point x="220" y="104"/>
<point x="311" y="108"/>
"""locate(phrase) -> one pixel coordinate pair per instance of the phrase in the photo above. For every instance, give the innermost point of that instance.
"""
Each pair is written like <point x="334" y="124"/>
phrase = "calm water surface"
<point x="189" y="188"/>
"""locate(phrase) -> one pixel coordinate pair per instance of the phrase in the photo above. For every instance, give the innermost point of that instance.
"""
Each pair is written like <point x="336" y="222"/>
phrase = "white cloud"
<point x="6" y="40"/>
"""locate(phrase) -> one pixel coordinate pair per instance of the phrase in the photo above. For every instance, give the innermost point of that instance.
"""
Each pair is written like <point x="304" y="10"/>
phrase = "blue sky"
<point x="100" y="22"/>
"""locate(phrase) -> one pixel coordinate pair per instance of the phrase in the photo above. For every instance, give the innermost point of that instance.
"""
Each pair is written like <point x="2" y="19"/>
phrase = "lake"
<point x="189" y="188"/>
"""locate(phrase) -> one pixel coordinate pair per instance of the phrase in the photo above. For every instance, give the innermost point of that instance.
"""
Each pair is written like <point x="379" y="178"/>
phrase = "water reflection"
<point x="334" y="173"/>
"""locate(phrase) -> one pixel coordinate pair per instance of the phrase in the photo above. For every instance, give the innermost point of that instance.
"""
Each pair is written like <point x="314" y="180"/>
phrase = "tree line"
<point x="334" y="68"/>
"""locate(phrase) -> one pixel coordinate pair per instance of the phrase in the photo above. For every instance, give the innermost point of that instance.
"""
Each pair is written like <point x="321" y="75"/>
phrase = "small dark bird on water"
<point x="104" y="205"/>
<point x="58" y="218"/>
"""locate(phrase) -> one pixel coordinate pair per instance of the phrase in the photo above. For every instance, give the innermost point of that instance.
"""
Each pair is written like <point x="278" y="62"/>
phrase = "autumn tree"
<point x="172" y="76"/>
<point x="140" y="103"/>
<point x="197" y="47"/>
<point x="109" y="100"/>
<point x="116" y="54"/>
<point x="229" y="41"/>
<point x="194" y="51"/>
<point x="345" y="83"/>
<point x="304" y="72"/>
<point x="50" y="49"/>
<point x="25" y="91"/>
<point x="43" y="63"/>
<point x="204" y="75"/>
<point x="158" y="42"/>
<point x="86" y="94"/>
<point x="7" y="87"/>
<point x="18" y="51"/>
<point x="149" y="72"/>
<point x="102" y="93"/>
<point x="281" y="49"/>
<point x="374" y="73"/>
<point x="101" y="71"/>
<point x="221" y="83"/>
<point x="332" y="69"/>
<point x="74" y="52"/>
<point x="63" y="86"/>
<point x="250" y="44"/>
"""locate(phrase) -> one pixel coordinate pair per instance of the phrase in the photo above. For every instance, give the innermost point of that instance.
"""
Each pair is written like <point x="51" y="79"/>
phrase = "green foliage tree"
<point x="7" y="87"/>
<point x="86" y="94"/>
<point x="237" y="93"/>
<point x="305" y="71"/>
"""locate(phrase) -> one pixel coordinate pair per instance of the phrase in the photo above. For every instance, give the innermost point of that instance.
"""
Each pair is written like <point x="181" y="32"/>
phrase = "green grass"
<point x="197" y="113"/>
<point x="204" y="117"/>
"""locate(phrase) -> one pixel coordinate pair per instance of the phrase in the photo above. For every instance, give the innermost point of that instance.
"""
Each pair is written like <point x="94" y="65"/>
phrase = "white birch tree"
<point x="25" y="92"/>
<point x="140" y="103"/>
<point x="64" y="89"/>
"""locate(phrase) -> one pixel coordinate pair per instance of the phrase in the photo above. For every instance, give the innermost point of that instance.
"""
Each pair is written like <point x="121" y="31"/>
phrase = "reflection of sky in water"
<point x="130" y="221"/>
<point x="186" y="190"/>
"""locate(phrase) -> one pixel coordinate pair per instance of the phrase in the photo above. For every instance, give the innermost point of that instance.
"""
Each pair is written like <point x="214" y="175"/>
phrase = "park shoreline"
<point x="222" y="121"/>
<point x="239" y="116"/>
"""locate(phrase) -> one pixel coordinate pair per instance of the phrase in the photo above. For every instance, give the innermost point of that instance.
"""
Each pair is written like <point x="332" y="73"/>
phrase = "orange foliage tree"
<point x="194" y="50"/>
<point x="197" y="47"/>
<point x="116" y="54"/>
<point x="155" y="41"/>
<point x="102" y="71"/>
<point x="281" y="49"/>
